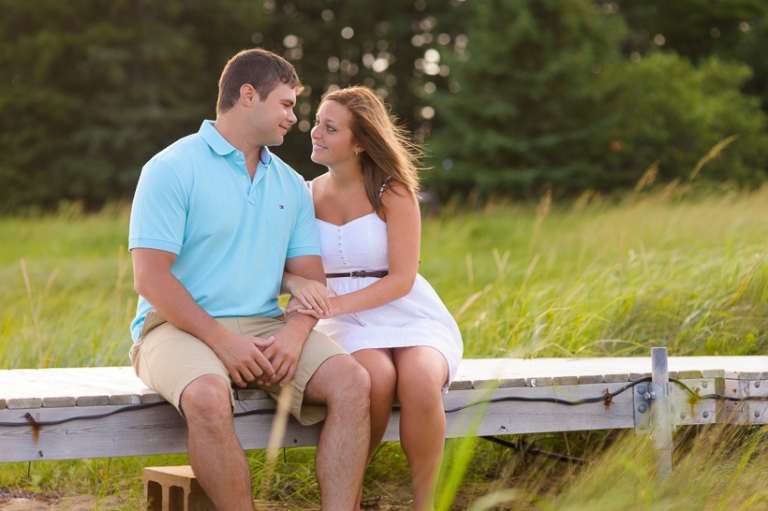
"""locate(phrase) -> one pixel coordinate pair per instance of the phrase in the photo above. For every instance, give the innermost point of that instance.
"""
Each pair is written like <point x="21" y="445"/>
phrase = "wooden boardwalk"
<point x="488" y="397"/>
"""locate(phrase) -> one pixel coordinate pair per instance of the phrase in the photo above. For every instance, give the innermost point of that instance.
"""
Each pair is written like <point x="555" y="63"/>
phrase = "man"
<point x="215" y="221"/>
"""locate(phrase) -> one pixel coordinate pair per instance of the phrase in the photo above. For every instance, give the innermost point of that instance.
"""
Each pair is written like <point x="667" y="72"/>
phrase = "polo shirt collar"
<point x="265" y="156"/>
<point x="220" y="145"/>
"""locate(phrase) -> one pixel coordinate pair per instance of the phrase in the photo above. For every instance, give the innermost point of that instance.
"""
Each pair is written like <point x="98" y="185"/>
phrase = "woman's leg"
<point x="421" y="374"/>
<point x="379" y="364"/>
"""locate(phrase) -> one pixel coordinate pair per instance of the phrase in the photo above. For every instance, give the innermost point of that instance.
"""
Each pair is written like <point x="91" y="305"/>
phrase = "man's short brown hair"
<point x="262" y="69"/>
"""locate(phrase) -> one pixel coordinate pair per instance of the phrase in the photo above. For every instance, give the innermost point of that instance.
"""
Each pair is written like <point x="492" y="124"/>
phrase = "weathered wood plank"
<point x="120" y="384"/>
<point x="64" y="387"/>
<point x="161" y="430"/>
<point x="514" y="417"/>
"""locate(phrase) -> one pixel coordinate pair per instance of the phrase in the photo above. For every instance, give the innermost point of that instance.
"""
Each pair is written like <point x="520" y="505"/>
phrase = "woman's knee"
<point x="420" y="367"/>
<point x="383" y="376"/>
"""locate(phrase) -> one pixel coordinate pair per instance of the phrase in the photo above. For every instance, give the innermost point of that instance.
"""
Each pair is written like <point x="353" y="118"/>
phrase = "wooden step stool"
<point x="174" y="489"/>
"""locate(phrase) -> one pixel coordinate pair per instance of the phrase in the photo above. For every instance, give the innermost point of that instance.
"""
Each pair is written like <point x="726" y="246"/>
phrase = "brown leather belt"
<point x="358" y="274"/>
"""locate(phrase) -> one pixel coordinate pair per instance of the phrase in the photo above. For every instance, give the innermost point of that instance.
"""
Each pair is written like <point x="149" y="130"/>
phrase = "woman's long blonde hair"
<point x="389" y="153"/>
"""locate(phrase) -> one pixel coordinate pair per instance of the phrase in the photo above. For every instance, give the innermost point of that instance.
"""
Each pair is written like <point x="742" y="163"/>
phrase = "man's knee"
<point x="341" y="379"/>
<point x="206" y="398"/>
<point x="359" y="380"/>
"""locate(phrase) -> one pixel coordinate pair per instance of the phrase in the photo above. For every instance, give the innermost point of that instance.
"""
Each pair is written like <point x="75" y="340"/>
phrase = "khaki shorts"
<point x="167" y="359"/>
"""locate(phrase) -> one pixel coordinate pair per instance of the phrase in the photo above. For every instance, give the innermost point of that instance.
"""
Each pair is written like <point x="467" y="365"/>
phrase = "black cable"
<point x="605" y="398"/>
<point x="260" y="411"/>
<point x="716" y="396"/>
<point x="130" y="408"/>
<point x="33" y="422"/>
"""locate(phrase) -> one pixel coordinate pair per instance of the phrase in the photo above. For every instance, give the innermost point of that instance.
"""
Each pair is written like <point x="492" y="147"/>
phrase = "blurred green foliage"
<point x="668" y="111"/>
<point x="548" y="101"/>
<point x="90" y="90"/>
<point x="511" y="96"/>
<point x="530" y="99"/>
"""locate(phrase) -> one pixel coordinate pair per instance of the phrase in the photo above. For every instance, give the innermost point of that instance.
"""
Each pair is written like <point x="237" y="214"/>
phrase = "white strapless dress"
<point x="418" y="319"/>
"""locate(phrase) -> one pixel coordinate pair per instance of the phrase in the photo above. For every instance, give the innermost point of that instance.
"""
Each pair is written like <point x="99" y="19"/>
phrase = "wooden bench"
<point x="54" y="414"/>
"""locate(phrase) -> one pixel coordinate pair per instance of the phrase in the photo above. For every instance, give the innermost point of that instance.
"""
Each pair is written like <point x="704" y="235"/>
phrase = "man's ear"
<point x="248" y="95"/>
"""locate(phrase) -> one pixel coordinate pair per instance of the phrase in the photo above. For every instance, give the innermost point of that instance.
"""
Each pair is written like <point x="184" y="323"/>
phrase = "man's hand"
<point x="289" y="340"/>
<point x="243" y="357"/>
<point x="241" y="354"/>
<point x="284" y="353"/>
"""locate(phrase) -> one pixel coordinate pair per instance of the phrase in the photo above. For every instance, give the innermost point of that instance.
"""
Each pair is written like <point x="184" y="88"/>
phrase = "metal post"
<point x="662" y="418"/>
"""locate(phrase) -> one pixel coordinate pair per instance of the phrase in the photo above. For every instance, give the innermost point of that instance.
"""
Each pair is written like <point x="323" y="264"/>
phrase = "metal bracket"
<point x="642" y="408"/>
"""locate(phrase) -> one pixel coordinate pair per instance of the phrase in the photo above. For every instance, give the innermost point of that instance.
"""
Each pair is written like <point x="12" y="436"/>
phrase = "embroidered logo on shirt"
<point x="281" y="206"/>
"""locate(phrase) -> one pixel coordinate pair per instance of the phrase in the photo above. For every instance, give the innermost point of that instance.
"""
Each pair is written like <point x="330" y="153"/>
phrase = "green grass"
<point x="607" y="279"/>
<point x="675" y="267"/>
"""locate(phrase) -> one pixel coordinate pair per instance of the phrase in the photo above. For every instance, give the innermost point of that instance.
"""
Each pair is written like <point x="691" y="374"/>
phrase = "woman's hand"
<point x="332" y="311"/>
<point x="312" y="296"/>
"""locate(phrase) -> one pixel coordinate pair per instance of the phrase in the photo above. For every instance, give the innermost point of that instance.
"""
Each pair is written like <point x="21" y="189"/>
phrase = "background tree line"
<point x="510" y="96"/>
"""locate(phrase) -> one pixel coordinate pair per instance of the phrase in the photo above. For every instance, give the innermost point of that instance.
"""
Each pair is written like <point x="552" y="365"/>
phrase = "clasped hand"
<point x="244" y="358"/>
<point x="265" y="361"/>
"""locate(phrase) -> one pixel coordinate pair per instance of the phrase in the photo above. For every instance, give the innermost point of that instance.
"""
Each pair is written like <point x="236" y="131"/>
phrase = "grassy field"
<point x="674" y="267"/>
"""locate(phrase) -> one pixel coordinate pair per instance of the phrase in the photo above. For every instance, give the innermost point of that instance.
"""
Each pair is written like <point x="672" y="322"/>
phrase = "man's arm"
<point x="241" y="354"/>
<point x="285" y="351"/>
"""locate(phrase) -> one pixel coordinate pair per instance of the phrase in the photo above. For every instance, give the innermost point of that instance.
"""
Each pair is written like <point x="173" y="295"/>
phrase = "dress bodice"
<point x="357" y="245"/>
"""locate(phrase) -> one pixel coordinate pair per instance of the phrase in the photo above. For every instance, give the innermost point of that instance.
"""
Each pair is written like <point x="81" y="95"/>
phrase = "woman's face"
<point x="332" y="141"/>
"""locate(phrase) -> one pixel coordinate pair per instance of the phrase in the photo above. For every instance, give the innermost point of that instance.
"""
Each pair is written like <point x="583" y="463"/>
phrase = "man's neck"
<point x="232" y="132"/>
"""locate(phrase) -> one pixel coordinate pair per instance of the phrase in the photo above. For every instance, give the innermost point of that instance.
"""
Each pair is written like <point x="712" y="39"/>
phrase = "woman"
<point x="376" y="305"/>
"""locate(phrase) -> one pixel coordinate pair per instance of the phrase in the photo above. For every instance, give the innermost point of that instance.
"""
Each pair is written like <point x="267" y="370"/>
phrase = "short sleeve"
<point x="304" y="238"/>
<point x="159" y="211"/>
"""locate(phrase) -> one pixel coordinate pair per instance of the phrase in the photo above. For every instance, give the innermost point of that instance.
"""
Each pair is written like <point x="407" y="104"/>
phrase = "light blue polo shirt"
<point x="232" y="236"/>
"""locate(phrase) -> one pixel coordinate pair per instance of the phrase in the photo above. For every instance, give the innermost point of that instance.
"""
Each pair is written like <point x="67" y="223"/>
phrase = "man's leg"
<point x="187" y="373"/>
<point x="215" y="453"/>
<point x="343" y="386"/>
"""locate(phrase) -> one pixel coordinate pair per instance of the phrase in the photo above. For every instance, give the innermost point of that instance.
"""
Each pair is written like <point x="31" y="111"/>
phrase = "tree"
<point x="672" y="112"/>
<point x="555" y="104"/>
<point x="693" y="28"/>
<point x="383" y="45"/>
<point x="697" y="29"/>
<point x="90" y="90"/>
<point x="93" y="89"/>
<point x="527" y="99"/>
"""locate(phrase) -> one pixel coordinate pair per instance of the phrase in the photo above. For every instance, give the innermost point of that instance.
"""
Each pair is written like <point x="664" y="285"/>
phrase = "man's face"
<point x="273" y="118"/>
